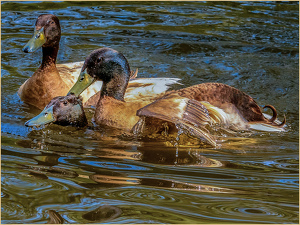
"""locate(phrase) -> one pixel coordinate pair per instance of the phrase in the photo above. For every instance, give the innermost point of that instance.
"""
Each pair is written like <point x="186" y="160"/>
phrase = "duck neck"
<point x="49" y="56"/>
<point x="116" y="87"/>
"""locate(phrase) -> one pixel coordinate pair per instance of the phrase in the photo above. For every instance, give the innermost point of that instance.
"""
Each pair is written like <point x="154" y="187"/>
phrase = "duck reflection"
<point x="158" y="183"/>
<point x="45" y="171"/>
<point x="113" y="161"/>
<point x="164" y="156"/>
<point x="102" y="176"/>
<point x="54" y="217"/>
<point x="102" y="180"/>
<point x="107" y="146"/>
<point x="177" y="157"/>
<point x="101" y="214"/>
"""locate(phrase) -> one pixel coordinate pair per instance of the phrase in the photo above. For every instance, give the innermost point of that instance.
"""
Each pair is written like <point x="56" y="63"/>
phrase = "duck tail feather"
<point x="273" y="120"/>
<point x="274" y="117"/>
<point x="283" y="122"/>
<point x="267" y="127"/>
<point x="134" y="74"/>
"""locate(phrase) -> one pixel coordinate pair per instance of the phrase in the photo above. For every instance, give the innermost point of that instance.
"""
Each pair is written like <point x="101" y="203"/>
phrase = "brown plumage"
<point x="51" y="80"/>
<point x="119" y="114"/>
<point x="220" y="95"/>
<point x="45" y="83"/>
<point x="195" y="109"/>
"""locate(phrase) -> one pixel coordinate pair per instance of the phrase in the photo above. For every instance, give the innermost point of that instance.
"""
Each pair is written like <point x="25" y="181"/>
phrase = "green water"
<point x="253" y="46"/>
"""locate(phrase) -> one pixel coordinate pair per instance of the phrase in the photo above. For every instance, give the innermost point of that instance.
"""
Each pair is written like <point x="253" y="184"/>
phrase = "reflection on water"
<point x="103" y="213"/>
<point x="55" y="218"/>
<point x="95" y="175"/>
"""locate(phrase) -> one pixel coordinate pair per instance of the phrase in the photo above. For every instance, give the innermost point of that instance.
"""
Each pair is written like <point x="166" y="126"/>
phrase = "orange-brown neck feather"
<point x="116" y="113"/>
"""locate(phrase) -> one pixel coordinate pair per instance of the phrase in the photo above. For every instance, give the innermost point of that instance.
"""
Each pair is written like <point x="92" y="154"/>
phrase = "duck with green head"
<point x="194" y="109"/>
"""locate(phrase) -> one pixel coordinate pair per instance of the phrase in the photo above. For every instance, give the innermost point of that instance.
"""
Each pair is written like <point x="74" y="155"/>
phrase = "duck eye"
<point x="65" y="103"/>
<point x="99" y="60"/>
<point x="52" y="22"/>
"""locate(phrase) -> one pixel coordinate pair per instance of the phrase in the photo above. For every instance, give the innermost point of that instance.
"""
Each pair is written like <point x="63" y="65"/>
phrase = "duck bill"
<point x="45" y="117"/>
<point x="36" y="41"/>
<point x="83" y="82"/>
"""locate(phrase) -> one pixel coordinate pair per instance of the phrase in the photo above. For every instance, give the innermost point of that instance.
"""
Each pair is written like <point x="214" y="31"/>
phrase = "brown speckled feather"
<point x="220" y="95"/>
<point x="187" y="113"/>
<point x="195" y="107"/>
<point x="174" y="108"/>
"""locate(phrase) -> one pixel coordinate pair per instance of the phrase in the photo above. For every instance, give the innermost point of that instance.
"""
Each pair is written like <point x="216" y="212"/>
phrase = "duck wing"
<point x="185" y="113"/>
<point x="148" y="88"/>
<point x="142" y="89"/>
<point x="233" y="107"/>
<point x="211" y="105"/>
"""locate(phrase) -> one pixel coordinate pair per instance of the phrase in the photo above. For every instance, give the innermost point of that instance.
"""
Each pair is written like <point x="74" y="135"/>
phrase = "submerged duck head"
<point x="106" y="65"/>
<point x="62" y="110"/>
<point x="47" y="33"/>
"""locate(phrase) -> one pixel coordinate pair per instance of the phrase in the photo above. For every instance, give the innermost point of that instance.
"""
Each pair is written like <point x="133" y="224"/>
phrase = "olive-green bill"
<point x="36" y="41"/>
<point x="83" y="82"/>
<point x="45" y="117"/>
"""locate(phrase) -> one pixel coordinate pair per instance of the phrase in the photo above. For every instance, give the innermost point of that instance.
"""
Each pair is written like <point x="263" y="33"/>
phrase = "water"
<point x="252" y="46"/>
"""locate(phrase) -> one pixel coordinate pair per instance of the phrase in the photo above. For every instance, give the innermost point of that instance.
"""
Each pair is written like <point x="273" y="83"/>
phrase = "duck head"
<point x="62" y="110"/>
<point x="47" y="33"/>
<point x="106" y="65"/>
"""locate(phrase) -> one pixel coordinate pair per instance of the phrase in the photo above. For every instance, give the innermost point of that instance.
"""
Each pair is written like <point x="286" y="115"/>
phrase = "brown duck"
<point x="52" y="80"/>
<point x="195" y="109"/>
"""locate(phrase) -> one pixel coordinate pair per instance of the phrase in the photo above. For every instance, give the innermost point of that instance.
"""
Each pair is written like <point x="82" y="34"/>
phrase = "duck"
<point x="51" y="80"/>
<point x="62" y="110"/>
<point x="197" y="110"/>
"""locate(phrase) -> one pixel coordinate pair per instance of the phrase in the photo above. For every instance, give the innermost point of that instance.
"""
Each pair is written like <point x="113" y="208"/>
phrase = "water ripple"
<point x="30" y="184"/>
<point x="149" y="195"/>
<point x="12" y="209"/>
<point x="243" y="210"/>
<point x="115" y="166"/>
